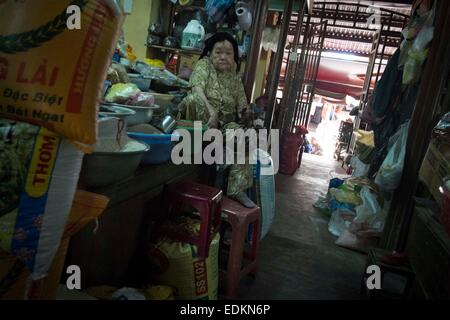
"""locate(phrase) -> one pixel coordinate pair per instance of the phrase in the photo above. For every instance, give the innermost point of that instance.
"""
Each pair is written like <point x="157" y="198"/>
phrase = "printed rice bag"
<point x="50" y="75"/>
<point x="39" y="172"/>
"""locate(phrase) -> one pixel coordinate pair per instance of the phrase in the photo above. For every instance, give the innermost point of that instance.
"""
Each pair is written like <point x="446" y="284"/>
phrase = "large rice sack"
<point x="176" y="264"/>
<point x="13" y="273"/>
<point x="39" y="172"/>
<point x="52" y="76"/>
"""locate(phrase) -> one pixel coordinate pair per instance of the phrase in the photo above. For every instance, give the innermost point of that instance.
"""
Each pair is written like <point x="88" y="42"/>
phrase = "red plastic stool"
<point x="206" y="200"/>
<point x="240" y="218"/>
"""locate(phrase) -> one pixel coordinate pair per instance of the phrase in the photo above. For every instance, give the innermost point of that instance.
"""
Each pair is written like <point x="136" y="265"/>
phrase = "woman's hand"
<point x="213" y="121"/>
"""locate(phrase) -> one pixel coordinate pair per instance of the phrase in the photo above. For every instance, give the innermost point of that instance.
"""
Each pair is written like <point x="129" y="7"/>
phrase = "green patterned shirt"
<point x="224" y="91"/>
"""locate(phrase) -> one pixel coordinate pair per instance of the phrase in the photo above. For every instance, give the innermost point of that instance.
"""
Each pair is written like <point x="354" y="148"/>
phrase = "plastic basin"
<point x="142" y="82"/>
<point x="160" y="146"/>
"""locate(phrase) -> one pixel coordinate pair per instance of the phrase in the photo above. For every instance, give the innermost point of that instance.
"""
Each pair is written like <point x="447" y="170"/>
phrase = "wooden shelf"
<point x="179" y="7"/>
<point x="176" y="50"/>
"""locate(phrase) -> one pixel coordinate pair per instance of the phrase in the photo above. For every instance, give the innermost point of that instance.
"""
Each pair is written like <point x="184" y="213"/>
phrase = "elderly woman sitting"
<point x="218" y="99"/>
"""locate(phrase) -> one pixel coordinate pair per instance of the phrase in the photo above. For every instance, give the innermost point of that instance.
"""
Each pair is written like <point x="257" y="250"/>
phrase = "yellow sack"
<point x="177" y="265"/>
<point x="52" y="76"/>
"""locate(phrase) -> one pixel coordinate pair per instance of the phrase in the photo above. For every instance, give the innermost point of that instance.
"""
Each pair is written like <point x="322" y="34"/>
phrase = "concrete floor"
<point x="298" y="258"/>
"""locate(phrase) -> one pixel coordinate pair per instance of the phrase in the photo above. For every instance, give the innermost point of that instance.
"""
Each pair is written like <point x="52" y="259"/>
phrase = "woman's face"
<point x="222" y="56"/>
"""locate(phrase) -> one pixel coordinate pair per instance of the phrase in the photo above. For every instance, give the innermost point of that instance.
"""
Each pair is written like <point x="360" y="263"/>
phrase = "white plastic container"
<point x="193" y="36"/>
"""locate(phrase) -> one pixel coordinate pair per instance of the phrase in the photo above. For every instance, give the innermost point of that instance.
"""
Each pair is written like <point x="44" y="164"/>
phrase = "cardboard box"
<point x="435" y="166"/>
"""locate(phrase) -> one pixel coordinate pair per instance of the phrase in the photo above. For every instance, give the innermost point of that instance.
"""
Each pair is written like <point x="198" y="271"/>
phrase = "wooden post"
<point x="277" y="63"/>
<point x="294" y="72"/>
<point x="259" y="21"/>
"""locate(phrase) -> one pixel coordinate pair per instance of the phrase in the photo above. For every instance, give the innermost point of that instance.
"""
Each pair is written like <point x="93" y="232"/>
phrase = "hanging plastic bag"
<point x="412" y="69"/>
<point x="390" y="173"/>
<point x="418" y="51"/>
<point x="360" y="169"/>
<point x="270" y="38"/>
<point x="216" y="9"/>
<point x="266" y="38"/>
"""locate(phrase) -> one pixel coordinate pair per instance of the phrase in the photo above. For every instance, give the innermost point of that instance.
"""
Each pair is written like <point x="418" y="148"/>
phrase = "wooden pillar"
<point x="294" y="72"/>
<point x="267" y="56"/>
<point x="276" y="63"/>
<point x="259" y="21"/>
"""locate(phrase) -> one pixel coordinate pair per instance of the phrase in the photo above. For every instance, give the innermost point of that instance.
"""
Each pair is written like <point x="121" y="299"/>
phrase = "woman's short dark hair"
<point x="220" y="37"/>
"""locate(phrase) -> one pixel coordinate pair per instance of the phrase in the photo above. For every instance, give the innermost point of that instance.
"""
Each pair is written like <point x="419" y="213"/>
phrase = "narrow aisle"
<point x="298" y="258"/>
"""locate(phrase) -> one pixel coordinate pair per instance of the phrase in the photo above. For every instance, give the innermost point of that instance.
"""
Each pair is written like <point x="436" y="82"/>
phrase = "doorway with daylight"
<point x="332" y="61"/>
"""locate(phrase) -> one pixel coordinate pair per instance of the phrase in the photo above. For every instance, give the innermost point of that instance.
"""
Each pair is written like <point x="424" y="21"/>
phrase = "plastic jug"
<point x="193" y="36"/>
<point x="244" y="14"/>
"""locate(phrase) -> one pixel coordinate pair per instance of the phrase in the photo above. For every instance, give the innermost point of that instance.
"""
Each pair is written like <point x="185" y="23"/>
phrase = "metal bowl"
<point x="117" y="112"/>
<point x="105" y="168"/>
<point x="142" y="114"/>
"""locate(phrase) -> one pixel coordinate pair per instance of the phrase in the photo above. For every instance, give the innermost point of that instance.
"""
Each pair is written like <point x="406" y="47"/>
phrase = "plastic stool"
<point x="206" y="200"/>
<point x="240" y="218"/>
